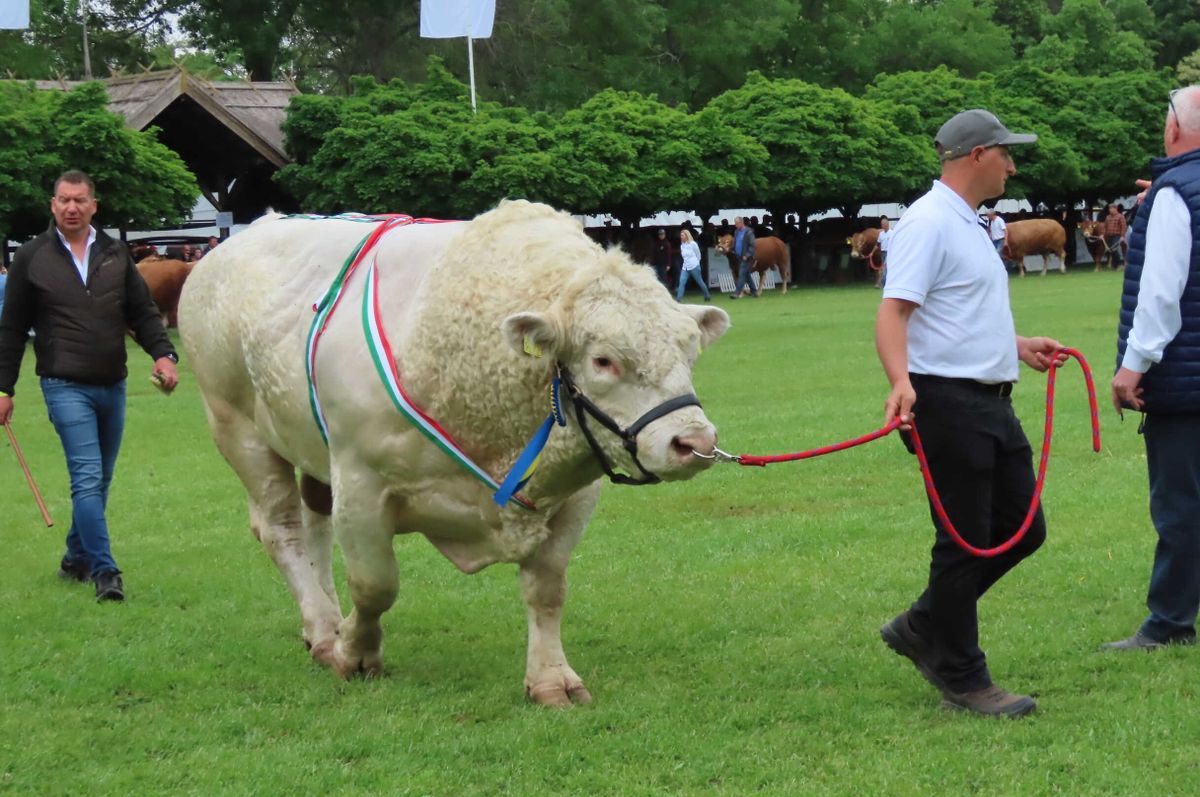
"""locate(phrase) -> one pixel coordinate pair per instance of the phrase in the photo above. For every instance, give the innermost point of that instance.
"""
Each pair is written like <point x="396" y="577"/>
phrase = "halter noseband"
<point x="585" y="406"/>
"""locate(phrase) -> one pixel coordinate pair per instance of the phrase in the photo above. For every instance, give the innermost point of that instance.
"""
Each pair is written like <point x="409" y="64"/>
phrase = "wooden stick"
<point x="37" y="496"/>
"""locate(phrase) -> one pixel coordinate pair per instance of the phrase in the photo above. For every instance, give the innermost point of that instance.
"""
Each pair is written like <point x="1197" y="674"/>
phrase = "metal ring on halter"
<point x="719" y="455"/>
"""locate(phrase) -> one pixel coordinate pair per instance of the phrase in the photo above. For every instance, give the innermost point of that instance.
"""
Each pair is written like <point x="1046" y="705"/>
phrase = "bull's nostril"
<point x="681" y="448"/>
<point x="685" y="445"/>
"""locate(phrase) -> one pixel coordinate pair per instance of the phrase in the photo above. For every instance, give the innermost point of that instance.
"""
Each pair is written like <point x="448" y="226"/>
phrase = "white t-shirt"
<point x="1157" y="319"/>
<point x="996" y="228"/>
<point x="942" y="259"/>
<point x="690" y="251"/>
<point x="885" y="239"/>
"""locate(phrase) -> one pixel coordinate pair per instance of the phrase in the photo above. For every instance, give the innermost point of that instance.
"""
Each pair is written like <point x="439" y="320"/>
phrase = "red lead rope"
<point x="934" y="498"/>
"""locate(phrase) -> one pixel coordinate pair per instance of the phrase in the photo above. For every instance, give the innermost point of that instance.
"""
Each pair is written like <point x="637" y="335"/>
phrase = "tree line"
<point x="783" y="144"/>
<point x="556" y="54"/>
<point x="617" y="106"/>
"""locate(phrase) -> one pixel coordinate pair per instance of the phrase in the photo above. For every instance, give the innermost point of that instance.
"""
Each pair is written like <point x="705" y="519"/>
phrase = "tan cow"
<point x="1036" y="237"/>
<point x="480" y="317"/>
<point x="770" y="253"/>
<point x="165" y="278"/>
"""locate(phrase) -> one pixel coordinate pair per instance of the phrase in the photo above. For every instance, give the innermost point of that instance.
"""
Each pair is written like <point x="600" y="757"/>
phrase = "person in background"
<point x="3" y="282"/>
<point x="80" y="291"/>
<point x="1114" y="235"/>
<point x="689" y="252"/>
<point x="661" y="257"/>
<point x="744" y="250"/>
<point x="1158" y="354"/>
<point x="885" y="238"/>
<point x="947" y="342"/>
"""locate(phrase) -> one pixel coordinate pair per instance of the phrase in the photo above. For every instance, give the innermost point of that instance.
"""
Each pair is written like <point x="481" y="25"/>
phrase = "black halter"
<point x="584" y="407"/>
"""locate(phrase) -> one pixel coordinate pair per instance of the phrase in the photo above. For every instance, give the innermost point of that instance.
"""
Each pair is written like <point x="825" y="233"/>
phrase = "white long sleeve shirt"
<point x="1157" y="321"/>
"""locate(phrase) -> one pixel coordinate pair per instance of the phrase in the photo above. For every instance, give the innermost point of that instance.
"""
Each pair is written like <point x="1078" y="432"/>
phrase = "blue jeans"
<point x="694" y="275"/>
<point x="745" y="270"/>
<point x="90" y="420"/>
<point x="1173" y="461"/>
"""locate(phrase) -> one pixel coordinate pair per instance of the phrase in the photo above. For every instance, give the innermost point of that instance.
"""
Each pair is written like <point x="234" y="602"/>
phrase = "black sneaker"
<point x="901" y="638"/>
<point x="73" y="570"/>
<point x="109" y="586"/>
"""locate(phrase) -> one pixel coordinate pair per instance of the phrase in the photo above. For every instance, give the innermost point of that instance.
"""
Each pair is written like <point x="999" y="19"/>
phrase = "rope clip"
<point x="718" y="455"/>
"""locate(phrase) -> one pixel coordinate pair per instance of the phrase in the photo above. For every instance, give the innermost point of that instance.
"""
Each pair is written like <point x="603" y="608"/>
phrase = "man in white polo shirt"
<point x="946" y="339"/>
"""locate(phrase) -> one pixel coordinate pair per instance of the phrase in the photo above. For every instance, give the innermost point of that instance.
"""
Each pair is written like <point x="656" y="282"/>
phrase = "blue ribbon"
<point x="526" y="464"/>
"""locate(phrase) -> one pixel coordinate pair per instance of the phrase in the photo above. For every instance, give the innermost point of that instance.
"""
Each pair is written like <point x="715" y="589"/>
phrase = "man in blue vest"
<point x="1158" y="354"/>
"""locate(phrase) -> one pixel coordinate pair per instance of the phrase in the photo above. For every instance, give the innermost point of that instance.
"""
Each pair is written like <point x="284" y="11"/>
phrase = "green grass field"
<point x="727" y="626"/>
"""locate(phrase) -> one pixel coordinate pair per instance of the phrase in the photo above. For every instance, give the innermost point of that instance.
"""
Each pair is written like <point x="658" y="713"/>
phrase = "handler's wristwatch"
<point x="172" y="356"/>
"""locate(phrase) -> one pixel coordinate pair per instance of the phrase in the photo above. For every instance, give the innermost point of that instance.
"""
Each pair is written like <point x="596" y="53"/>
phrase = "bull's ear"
<point x="533" y="334"/>
<point x="713" y="322"/>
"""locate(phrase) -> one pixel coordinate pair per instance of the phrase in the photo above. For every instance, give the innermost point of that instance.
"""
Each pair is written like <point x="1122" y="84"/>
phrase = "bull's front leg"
<point x="365" y="534"/>
<point x="549" y="679"/>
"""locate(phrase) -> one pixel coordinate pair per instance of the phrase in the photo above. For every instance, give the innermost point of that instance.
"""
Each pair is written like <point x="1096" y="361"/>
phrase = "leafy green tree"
<point x="416" y="149"/>
<point x="1111" y="127"/>
<point x="959" y="34"/>
<point x="1049" y="170"/>
<point x="827" y="148"/>
<point x="253" y="32"/>
<point x="140" y="183"/>
<point x="1023" y="19"/>
<point x="1177" y="30"/>
<point x="1084" y="38"/>
<point x="1188" y="70"/>
<point x="630" y="155"/>
<point x="52" y="47"/>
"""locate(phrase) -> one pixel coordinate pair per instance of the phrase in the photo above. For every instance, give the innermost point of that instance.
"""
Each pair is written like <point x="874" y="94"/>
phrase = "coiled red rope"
<point x="931" y="489"/>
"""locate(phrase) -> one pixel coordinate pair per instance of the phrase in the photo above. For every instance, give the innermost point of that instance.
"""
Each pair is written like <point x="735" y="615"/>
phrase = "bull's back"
<point x="247" y="307"/>
<point x="1034" y="236"/>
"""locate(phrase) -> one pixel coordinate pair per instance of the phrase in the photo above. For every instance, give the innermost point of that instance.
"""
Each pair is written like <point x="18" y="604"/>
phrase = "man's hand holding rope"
<point x="1040" y="353"/>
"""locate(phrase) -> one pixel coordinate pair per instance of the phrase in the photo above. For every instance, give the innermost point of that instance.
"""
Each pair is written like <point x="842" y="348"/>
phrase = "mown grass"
<point x="728" y="626"/>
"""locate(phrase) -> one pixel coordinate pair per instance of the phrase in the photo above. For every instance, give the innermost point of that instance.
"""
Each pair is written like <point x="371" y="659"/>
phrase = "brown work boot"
<point x="901" y="638"/>
<point x="993" y="701"/>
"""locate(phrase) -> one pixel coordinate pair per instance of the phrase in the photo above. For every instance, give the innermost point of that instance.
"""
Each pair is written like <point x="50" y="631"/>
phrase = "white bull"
<point x="478" y="314"/>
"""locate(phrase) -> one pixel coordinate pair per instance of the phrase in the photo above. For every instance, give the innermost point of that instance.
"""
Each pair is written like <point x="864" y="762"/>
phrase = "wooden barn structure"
<point x="228" y="133"/>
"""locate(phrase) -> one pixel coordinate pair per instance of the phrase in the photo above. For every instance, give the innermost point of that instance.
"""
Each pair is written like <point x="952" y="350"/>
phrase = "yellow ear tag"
<point x="531" y="348"/>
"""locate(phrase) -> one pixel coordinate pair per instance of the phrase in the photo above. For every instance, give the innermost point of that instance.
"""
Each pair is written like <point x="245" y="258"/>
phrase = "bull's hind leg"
<point x="549" y="679"/>
<point x="275" y="519"/>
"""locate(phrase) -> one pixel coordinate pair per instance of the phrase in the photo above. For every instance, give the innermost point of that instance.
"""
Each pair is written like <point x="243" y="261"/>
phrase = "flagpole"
<point x="87" y="58"/>
<point x="471" y="67"/>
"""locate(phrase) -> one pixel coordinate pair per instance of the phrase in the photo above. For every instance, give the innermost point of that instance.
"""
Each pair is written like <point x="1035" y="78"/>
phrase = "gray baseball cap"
<point x="975" y="128"/>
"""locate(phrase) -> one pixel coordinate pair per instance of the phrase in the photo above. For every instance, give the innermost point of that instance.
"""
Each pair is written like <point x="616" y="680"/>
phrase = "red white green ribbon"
<point x="385" y="365"/>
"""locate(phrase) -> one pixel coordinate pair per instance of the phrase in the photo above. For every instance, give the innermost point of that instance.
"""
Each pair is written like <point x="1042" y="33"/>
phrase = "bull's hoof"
<point x="347" y="666"/>
<point x="558" y="695"/>
<point x="322" y="652"/>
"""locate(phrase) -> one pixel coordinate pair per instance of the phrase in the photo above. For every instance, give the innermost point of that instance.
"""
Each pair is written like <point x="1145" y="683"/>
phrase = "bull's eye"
<point x="606" y="364"/>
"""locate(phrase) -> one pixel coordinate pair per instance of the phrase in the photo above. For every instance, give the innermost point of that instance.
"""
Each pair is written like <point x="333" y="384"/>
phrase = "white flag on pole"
<point x="14" y="15"/>
<point x="448" y="19"/>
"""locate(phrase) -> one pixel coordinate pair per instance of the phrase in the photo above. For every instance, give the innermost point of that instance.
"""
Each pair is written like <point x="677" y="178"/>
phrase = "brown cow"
<point x="165" y="279"/>
<point x="1036" y="237"/>
<point x="1093" y="233"/>
<point x="769" y="252"/>
<point x="865" y="246"/>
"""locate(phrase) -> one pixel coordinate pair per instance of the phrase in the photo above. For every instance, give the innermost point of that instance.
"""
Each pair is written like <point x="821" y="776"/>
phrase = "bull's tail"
<point x="785" y="269"/>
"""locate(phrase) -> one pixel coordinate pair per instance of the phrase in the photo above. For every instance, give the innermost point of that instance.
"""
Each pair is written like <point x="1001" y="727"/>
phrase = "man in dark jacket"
<point x="79" y="291"/>
<point x="744" y="244"/>
<point x="1158" y="349"/>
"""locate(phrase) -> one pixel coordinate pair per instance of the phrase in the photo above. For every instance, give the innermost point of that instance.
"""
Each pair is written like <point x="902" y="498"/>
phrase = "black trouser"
<point x="982" y="466"/>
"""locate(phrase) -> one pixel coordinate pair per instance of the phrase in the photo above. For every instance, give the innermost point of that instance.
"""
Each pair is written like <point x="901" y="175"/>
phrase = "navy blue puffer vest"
<point x="1173" y="385"/>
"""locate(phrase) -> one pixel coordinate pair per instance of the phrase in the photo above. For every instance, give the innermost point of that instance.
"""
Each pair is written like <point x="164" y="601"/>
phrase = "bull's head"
<point x="628" y="348"/>
<point x="725" y="244"/>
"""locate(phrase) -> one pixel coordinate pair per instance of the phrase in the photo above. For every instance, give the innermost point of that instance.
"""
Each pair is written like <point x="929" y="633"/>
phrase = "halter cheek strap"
<point x="585" y="407"/>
